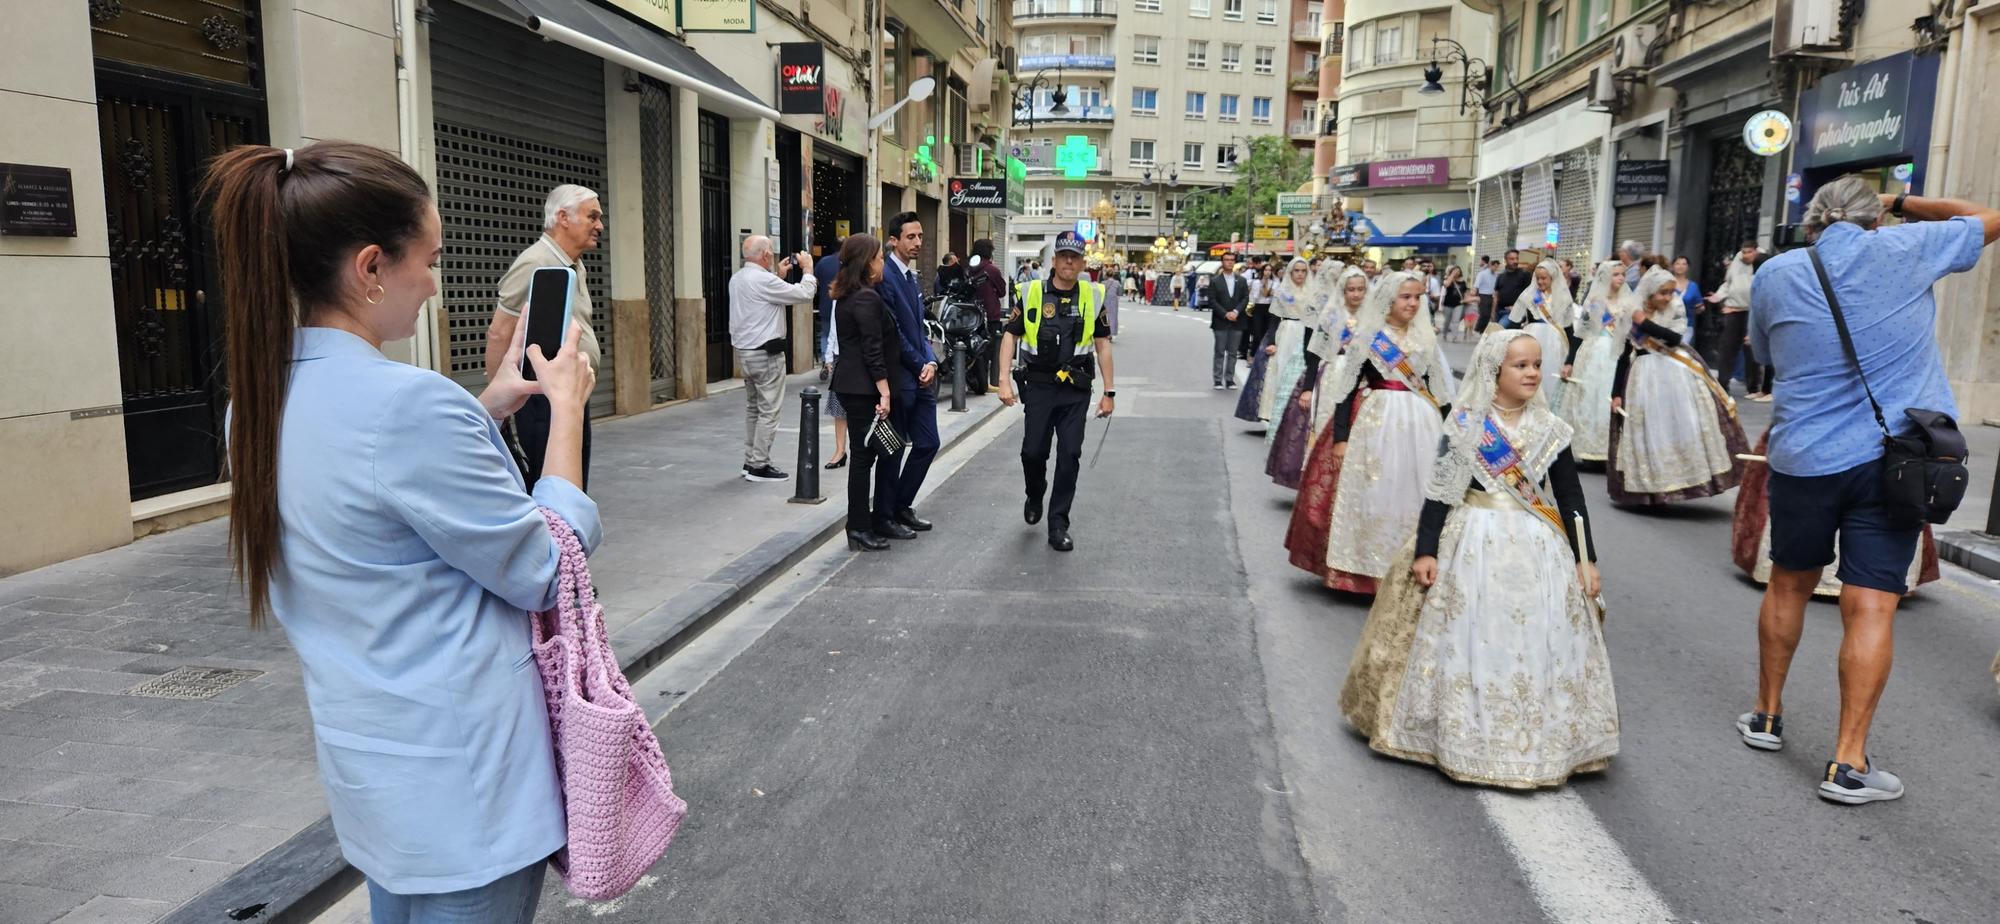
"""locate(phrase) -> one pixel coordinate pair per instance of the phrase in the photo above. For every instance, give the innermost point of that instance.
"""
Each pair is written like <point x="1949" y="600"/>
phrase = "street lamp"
<point x="1026" y="102"/>
<point x="1475" y="77"/>
<point x="1173" y="180"/>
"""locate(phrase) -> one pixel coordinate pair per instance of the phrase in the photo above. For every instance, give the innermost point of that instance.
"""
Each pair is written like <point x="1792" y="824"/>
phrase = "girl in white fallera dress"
<point x="1290" y="433"/>
<point x="1593" y="361"/>
<point x="1674" y="434"/>
<point x="1484" y="655"/>
<point x="1546" y="310"/>
<point x="1385" y="432"/>
<point x="1291" y="306"/>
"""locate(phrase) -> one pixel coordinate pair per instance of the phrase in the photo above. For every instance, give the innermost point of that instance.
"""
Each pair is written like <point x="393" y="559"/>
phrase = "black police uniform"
<point x="1055" y="408"/>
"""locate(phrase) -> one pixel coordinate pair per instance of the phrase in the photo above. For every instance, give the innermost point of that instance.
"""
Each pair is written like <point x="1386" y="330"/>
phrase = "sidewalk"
<point x="152" y="745"/>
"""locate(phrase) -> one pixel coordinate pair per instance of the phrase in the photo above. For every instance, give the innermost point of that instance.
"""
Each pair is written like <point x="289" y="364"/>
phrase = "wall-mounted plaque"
<point x="36" y="201"/>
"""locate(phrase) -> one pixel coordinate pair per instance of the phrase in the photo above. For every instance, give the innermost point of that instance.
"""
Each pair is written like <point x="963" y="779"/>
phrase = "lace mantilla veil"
<point x="1674" y="319"/>
<point x="1540" y="435"/>
<point x="1419" y="341"/>
<point x="1561" y="305"/>
<point x="1607" y="289"/>
<point x="1294" y="302"/>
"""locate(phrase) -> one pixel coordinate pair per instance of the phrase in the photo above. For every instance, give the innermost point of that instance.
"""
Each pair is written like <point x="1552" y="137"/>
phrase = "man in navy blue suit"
<point x="913" y="410"/>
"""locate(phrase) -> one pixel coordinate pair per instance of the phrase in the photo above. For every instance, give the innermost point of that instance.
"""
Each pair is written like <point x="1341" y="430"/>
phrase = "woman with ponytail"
<point x="377" y="514"/>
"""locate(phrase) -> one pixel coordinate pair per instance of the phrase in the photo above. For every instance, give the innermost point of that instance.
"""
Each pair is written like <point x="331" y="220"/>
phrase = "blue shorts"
<point x="1809" y="515"/>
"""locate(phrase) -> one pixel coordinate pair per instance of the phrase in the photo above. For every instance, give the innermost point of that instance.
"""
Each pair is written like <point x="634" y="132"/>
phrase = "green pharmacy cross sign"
<point x="1077" y="157"/>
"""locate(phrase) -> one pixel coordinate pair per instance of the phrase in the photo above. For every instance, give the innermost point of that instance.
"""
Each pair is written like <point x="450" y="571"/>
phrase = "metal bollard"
<point x="958" y="379"/>
<point x="807" y="479"/>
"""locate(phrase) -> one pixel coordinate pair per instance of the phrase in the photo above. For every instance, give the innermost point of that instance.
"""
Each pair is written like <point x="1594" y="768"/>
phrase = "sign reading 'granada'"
<point x="1419" y="171"/>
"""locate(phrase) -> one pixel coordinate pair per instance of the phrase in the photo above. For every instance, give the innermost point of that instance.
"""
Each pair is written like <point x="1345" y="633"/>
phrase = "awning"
<point x="595" y="30"/>
<point x="1445" y="229"/>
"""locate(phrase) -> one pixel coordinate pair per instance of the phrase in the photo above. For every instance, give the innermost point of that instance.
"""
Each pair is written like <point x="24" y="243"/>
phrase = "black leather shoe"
<point x="909" y="518"/>
<point x="895" y="530"/>
<point x="1059" y="540"/>
<point x="1033" y="511"/>
<point x="863" y="541"/>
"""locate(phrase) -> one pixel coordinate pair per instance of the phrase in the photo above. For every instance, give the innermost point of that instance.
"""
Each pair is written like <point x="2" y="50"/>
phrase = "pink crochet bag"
<point x="618" y="796"/>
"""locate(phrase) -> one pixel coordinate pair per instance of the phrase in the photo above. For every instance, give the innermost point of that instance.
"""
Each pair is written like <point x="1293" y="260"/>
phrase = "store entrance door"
<point x="155" y="140"/>
<point x="718" y="244"/>
<point x="1735" y="201"/>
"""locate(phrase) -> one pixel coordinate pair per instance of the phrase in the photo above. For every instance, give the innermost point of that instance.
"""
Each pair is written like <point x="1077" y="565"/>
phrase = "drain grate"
<point x="193" y="682"/>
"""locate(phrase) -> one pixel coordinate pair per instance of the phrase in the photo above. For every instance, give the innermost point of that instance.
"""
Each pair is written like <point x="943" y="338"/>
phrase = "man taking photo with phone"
<point x="758" y="299"/>
<point x="572" y="222"/>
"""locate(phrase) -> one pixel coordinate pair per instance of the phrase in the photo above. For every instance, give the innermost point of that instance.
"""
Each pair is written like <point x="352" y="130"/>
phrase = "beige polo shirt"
<point x="514" y="289"/>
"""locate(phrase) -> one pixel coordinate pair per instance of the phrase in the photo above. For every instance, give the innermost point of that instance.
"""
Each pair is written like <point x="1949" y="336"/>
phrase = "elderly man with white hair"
<point x="572" y="222"/>
<point x="758" y="297"/>
<point x="1827" y="489"/>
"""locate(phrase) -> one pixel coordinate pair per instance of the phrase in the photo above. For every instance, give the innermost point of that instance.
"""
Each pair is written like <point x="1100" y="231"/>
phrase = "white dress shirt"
<point x="757" y="301"/>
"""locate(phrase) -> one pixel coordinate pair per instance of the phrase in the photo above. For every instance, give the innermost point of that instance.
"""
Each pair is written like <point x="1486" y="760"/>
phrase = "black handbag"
<point x="1923" y="474"/>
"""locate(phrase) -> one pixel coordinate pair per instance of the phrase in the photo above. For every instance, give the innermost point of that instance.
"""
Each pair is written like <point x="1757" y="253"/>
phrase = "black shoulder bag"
<point x="1923" y="474"/>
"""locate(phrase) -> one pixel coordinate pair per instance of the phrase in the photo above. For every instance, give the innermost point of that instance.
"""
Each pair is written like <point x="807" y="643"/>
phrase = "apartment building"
<point x="1140" y="104"/>
<point x="1326" y="113"/>
<point x="1403" y="157"/>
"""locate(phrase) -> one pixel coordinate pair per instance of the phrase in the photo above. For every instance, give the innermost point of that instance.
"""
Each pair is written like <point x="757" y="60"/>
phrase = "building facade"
<point x="1157" y="100"/>
<point x="116" y="396"/>
<point x="1403" y="157"/>
<point x="1692" y="128"/>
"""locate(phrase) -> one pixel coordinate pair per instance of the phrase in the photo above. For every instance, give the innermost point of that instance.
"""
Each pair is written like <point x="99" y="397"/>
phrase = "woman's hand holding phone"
<point x="507" y="390"/>
<point x="567" y="378"/>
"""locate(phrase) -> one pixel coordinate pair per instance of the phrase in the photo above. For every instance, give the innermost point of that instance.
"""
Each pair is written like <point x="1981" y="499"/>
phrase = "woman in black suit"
<point x="866" y="332"/>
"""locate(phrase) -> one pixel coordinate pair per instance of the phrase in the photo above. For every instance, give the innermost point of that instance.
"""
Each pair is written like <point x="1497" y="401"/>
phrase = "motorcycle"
<point x="962" y="329"/>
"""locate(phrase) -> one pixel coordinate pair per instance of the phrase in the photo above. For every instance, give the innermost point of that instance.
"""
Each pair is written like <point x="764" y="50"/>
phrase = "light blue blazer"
<point x="410" y="554"/>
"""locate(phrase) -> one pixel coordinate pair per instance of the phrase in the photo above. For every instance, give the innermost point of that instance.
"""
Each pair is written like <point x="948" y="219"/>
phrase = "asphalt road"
<point x="972" y="727"/>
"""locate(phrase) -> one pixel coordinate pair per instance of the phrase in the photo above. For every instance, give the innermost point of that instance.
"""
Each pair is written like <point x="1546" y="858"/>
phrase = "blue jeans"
<point x="511" y="899"/>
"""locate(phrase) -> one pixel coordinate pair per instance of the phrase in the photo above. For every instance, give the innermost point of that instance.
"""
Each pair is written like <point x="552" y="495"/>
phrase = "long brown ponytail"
<point x="285" y="222"/>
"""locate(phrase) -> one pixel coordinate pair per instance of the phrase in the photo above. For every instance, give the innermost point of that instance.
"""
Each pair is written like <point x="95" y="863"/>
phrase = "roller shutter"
<point x="1576" y="205"/>
<point x="515" y="116"/>
<point x="1538" y="206"/>
<point x="1493" y="226"/>
<point x="1635" y="223"/>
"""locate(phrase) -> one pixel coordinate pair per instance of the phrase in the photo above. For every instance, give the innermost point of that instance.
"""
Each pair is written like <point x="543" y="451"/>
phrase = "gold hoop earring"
<point x="379" y="294"/>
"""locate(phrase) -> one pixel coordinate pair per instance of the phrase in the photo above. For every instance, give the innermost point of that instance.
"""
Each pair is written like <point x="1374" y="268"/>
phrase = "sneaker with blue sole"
<point x="1761" y="730"/>
<point x="1848" y="786"/>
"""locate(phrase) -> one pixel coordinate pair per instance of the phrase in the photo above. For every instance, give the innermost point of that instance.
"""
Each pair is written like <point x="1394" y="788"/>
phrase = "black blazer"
<point x="1221" y="303"/>
<point x="868" y="344"/>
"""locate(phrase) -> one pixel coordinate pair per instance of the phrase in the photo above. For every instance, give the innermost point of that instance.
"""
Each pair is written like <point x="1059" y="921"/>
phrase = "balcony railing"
<point x="1305" y="77"/>
<point x="1031" y="63"/>
<point x="1301" y="128"/>
<point x="1065" y="9"/>
<point x="1334" y="46"/>
<point x="1092" y="114"/>
<point x="1305" y="32"/>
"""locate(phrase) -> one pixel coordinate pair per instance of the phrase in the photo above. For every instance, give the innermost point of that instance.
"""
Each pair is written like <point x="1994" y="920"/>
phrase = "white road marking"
<point x="1577" y="871"/>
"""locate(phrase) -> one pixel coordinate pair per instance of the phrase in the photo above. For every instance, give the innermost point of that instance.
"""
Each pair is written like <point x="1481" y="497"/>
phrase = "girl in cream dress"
<point x="1385" y="432"/>
<point x="1483" y="655"/>
<point x="1312" y="511"/>
<point x="1296" y="303"/>
<point x="1593" y="361"/>
<point x="1546" y="310"/>
<point x="1674" y="434"/>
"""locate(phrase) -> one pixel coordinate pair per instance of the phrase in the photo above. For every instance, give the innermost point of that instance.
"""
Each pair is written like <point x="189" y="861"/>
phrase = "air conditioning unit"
<point x="1628" y="50"/>
<point x="1800" y="27"/>
<point x="1603" y="87"/>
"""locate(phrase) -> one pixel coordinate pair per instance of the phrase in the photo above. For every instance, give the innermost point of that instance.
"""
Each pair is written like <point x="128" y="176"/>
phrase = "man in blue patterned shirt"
<point x="1826" y="451"/>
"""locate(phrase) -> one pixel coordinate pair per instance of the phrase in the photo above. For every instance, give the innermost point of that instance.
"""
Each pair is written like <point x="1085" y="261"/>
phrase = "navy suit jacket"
<point x="907" y="302"/>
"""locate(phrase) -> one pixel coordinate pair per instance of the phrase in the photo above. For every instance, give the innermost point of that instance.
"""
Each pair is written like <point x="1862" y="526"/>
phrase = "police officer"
<point x="1063" y="345"/>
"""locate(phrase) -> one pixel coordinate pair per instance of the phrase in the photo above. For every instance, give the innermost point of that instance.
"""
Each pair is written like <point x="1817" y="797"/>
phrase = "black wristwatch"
<point x="1896" y="208"/>
<point x="1108" y="393"/>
